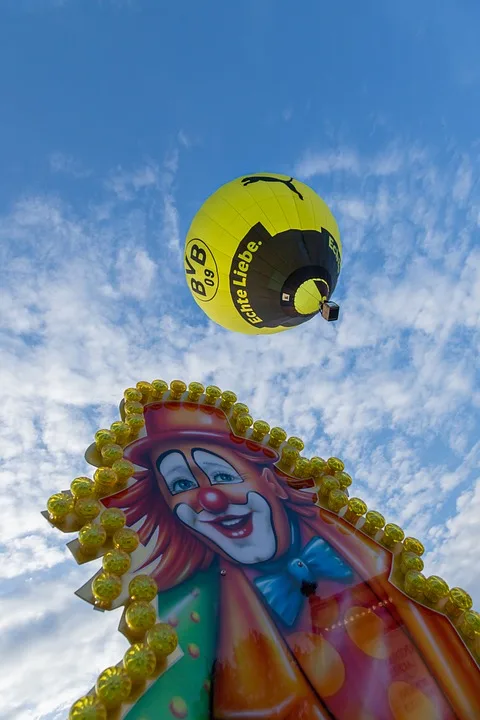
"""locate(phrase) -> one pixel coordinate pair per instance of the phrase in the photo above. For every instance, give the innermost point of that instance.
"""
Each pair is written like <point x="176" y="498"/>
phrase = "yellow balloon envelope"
<point x="263" y="254"/>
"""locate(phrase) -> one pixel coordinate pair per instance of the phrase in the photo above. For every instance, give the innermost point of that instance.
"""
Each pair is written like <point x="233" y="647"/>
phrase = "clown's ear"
<point x="270" y="477"/>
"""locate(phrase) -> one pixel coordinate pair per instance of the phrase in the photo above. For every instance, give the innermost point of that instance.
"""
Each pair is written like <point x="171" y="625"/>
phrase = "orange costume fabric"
<point x="361" y="652"/>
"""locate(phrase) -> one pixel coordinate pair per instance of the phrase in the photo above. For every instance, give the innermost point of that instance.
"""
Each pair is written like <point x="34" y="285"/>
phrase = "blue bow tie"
<point x="283" y="589"/>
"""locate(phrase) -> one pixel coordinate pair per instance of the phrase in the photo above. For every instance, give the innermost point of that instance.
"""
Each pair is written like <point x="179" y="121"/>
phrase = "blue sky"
<point x="117" y="119"/>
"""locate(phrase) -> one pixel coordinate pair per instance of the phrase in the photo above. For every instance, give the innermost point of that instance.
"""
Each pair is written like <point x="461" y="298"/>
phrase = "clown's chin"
<point x="243" y="532"/>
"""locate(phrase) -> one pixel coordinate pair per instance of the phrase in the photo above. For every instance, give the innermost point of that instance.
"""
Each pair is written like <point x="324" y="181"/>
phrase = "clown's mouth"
<point x="234" y="526"/>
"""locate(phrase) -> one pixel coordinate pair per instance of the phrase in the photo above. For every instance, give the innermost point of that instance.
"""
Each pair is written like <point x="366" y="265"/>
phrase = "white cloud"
<point x="455" y="556"/>
<point x="61" y="163"/>
<point x="95" y="301"/>
<point x="125" y="184"/>
<point x="314" y="164"/>
<point x="184" y="139"/>
<point x="463" y="182"/>
<point x="136" y="271"/>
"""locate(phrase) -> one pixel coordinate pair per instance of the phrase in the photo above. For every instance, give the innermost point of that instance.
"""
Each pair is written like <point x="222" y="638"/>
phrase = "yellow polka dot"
<point x="367" y="631"/>
<point x="195" y="617"/>
<point x="193" y="650"/>
<point x="409" y="703"/>
<point x="319" y="661"/>
<point x="178" y="707"/>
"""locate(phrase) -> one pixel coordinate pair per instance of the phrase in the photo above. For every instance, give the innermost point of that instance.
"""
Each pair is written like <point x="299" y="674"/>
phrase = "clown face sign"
<point x="278" y="598"/>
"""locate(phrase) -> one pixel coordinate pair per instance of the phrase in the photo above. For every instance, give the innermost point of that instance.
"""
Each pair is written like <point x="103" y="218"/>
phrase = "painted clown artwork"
<point x="276" y="595"/>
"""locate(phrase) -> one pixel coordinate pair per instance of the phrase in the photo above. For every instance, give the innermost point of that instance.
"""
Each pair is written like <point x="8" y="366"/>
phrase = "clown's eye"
<point x="217" y="469"/>
<point x="181" y="485"/>
<point x="224" y="477"/>
<point x="176" y="473"/>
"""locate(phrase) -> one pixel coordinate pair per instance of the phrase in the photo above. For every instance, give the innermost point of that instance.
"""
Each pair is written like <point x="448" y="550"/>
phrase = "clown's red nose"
<point x="213" y="500"/>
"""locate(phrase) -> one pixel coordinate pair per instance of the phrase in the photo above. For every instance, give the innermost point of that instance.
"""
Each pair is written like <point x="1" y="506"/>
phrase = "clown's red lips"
<point x="233" y="526"/>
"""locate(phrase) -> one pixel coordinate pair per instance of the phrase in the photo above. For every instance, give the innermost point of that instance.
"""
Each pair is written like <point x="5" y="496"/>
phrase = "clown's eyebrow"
<point x="180" y="468"/>
<point x="209" y="460"/>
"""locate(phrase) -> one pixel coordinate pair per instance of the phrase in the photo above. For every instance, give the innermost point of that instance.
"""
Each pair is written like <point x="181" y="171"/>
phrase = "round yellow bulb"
<point x="143" y="587"/>
<point x="132" y="395"/>
<point x="392" y="534"/>
<point x="344" y="479"/>
<point x="303" y="468"/>
<point x="195" y="390"/>
<point x="87" y="509"/>
<point x="356" y="508"/>
<point x="319" y="467"/>
<point x="140" y="616"/>
<point x="132" y="407"/>
<point x="135" y="423"/>
<point x="104" y="437"/>
<point x="113" y="686"/>
<point x="116" y="562"/>
<point x="458" y="601"/>
<point x="91" y="537"/>
<point x="59" y="506"/>
<point x="242" y="423"/>
<point x="289" y="457"/>
<point x="113" y="519"/>
<point x="177" y="388"/>
<point x="88" y="708"/>
<point x="105" y="479"/>
<point x="296" y="443"/>
<point x="436" y="589"/>
<point x="146" y="389"/>
<point x="409" y="561"/>
<point x="212" y="393"/>
<point x="110" y="453"/>
<point x="123" y="469"/>
<point x="260" y="429"/>
<point x="415" y="584"/>
<point x="162" y="639"/>
<point x="159" y="388"/>
<point x="414" y="546"/>
<point x="277" y="437"/>
<point x="106" y="587"/>
<point x="328" y="484"/>
<point x="139" y="661"/>
<point x="470" y="625"/>
<point x="228" y="400"/>
<point x="239" y="409"/>
<point x="121" y="432"/>
<point x="374" y="522"/>
<point x="337" y="499"/>
<point x="335" y="465"/>
<point x="82" y="487"/>
<point x="126" y="539"/>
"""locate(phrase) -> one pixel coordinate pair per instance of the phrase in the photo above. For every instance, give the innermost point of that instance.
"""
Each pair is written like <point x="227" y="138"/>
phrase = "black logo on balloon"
<point x="265" y="178"/>
<point x="267" y="270"/>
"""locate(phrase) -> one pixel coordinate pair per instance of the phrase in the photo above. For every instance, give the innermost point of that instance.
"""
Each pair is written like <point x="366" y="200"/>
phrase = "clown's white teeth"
<point x="232" y="521"/>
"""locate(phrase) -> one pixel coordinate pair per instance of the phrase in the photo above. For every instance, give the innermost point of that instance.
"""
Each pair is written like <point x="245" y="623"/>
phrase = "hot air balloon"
<point x="263" y="254"/>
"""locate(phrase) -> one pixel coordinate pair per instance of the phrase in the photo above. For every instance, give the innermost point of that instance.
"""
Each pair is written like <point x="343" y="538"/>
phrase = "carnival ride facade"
<point x="253" y="584"/>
